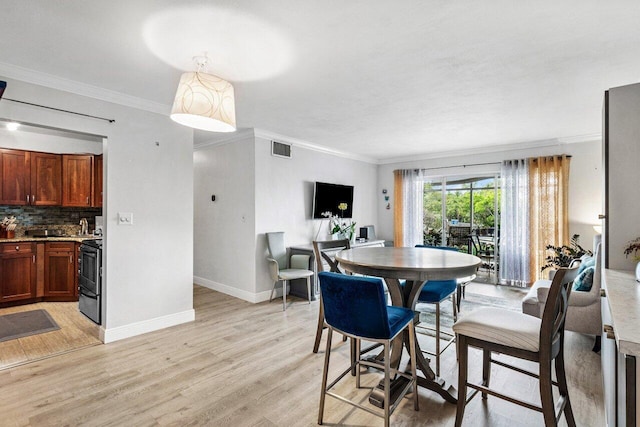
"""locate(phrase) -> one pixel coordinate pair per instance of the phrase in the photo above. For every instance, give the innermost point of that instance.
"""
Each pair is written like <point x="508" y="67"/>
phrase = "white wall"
<point x="585" y="181"/>
<point x="284" y="197"/>
<point x="272" y="194"/>
<point x="149" y="172"/>
<point x="32" y="141"/>
<point x="224" y="230"/>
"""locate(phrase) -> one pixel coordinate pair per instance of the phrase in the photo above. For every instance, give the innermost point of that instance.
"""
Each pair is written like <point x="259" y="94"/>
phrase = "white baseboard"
<point x="235" y="292"/>
<point x="139" y="328"/>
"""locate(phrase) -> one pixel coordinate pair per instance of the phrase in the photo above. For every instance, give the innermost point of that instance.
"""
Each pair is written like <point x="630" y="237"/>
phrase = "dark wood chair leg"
<point x="563" y="389"/>
<point x="597" y="344"/>
<point x="463" y="357"/>
<point x="354" y="351"/>
<point x="486" y="369"/>
<point x="321" y="326"/>
<point x="546" y="393"/>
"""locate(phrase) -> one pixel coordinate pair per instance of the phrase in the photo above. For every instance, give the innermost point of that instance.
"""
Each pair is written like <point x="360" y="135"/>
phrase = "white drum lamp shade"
<point x="204" y="101"/>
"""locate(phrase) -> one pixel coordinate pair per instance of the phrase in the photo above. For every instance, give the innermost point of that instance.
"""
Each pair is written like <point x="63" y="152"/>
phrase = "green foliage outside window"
<point x="458" y="207"/>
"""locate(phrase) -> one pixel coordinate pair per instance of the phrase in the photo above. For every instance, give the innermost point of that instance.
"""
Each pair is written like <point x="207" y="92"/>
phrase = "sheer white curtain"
<point x="408" y="208"/>
<point x="514" y="223"/>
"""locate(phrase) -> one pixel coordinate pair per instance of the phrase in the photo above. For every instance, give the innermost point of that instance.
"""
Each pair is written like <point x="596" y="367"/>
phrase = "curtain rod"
<point x="61" y="110"/>
<point x="458" y="166"/>
<point x="473" y="164"/>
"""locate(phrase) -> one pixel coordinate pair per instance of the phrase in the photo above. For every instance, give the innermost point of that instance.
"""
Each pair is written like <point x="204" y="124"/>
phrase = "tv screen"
<point x="327" y="197"/>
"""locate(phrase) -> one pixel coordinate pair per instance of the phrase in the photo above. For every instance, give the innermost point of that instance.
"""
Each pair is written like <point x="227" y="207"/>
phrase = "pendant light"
<point x="204" y="101"/>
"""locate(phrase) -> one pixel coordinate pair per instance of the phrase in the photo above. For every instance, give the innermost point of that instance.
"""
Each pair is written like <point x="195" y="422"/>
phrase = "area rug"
<point x="469" y="303"/>
<point x="19" y="325"/>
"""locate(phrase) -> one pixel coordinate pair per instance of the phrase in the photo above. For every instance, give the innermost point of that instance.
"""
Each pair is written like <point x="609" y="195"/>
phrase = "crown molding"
<point x="238" y="135"/>
<point x="496" y="148"/>
<point x="261" y="133"/>
<point x="83" y="89"/>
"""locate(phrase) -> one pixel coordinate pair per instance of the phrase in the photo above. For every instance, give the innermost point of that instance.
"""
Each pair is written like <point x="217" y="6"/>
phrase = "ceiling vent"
<point x="280" y="149"/>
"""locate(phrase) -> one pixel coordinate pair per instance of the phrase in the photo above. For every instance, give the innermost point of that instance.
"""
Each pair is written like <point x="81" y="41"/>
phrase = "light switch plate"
<point x="125" y="218"/>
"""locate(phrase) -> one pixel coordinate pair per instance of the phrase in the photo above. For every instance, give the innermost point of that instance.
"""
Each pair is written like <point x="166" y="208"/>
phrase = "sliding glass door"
<point x="463" y="212"/>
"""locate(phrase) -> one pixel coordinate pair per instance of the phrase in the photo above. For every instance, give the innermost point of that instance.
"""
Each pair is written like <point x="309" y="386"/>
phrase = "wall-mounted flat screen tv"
<point x="327" y="197"/>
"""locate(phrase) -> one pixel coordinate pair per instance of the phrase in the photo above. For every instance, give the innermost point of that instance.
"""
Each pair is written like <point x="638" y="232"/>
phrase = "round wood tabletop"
<point x="409" y="263"/>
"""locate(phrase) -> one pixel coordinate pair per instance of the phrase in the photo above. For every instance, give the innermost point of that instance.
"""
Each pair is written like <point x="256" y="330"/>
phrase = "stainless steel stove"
<point x="90" y="280"/>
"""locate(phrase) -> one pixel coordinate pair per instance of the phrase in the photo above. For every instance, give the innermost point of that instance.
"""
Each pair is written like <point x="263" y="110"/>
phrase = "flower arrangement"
<point x="8" y="227"/>
<point x="338" y="225"/>
<point x="632" y="248"/>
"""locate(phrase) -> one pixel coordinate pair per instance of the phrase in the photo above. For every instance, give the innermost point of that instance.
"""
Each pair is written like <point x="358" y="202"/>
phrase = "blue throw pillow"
<point x="584" y="281"/>
<point x="586" y="262"/>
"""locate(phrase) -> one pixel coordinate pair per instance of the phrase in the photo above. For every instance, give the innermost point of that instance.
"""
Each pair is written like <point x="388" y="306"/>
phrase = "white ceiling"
<point x="376" y="78"/>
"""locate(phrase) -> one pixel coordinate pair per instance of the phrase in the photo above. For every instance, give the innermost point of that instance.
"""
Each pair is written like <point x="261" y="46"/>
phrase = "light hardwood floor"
<point x="241" y="364"/>
<point x="75" y="332"/>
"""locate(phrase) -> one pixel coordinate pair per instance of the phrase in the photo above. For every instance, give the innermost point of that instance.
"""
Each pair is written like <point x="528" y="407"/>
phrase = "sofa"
<point x="584" y="315"/>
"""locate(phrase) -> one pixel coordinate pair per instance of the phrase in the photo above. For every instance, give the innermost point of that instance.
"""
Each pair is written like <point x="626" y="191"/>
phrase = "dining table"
<point x="414" y="266"/>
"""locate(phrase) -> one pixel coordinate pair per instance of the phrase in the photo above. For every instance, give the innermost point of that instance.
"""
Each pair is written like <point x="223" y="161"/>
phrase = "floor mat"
<point x="18" y="325"/>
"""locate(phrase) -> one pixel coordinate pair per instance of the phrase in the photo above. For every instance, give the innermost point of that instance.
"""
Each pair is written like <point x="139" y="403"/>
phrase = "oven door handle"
<point x="88" y="294"/>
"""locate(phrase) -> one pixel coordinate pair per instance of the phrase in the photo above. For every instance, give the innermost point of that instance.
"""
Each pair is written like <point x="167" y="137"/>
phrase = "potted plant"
<point x="8" y="227"/>
<point x="633" y="247"/>
<point x="561" y="256"/>
<point x="339" y="228"/>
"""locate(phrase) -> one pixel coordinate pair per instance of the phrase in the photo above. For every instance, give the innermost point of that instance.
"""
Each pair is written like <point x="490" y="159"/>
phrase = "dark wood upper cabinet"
<point x="46" y="179"/>
<point x="97" y="181"/>
<point x="14" y="170"/>
<point x="77" y="180"/>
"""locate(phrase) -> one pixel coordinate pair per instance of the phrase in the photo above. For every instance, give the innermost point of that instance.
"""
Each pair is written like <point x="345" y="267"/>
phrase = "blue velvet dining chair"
<point x="435" y="292"/>
<point x="356" y="307"/>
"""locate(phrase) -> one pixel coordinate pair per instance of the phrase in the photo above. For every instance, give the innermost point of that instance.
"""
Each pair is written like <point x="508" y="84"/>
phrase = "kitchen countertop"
<point x="78" y="239"/>
<point x="623" y="296"/>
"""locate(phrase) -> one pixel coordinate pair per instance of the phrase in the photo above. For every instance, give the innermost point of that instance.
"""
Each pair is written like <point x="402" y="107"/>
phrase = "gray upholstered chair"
<point x="283" y="268"/>
<point x="584" y="314"/>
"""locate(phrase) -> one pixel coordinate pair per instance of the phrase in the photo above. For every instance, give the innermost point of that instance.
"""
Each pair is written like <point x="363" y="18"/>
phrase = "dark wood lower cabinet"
<point x="17" y="272"/>
<point x="32" y="272"/>
<point x="60" y="271"/>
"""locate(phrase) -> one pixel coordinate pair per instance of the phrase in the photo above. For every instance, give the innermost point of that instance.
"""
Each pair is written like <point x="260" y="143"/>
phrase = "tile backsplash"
<point x="51" y="217"/>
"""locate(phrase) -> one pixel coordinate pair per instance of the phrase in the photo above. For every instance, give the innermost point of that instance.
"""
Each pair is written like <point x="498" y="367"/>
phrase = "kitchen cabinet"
<point x="14" y="172"/>
<point x="77" y="180"/>
<point x="97" y="181"/>
<point x="46" y="179"/>
<point x="620" y="347"/>
<point x="60" y="266"/>
<point x="17" y="271"/>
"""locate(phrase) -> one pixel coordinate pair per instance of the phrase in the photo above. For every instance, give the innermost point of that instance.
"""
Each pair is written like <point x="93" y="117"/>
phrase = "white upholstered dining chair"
<point x="519" y="335"/>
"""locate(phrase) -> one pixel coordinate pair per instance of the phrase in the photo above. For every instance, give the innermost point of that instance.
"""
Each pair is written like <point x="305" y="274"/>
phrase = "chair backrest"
<point x="555" y="310"/>
<point x="319" y="248"/>
<point x="440" y="283"/>
<point x="277" y="250"/>
<point x="355" y="305"/>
